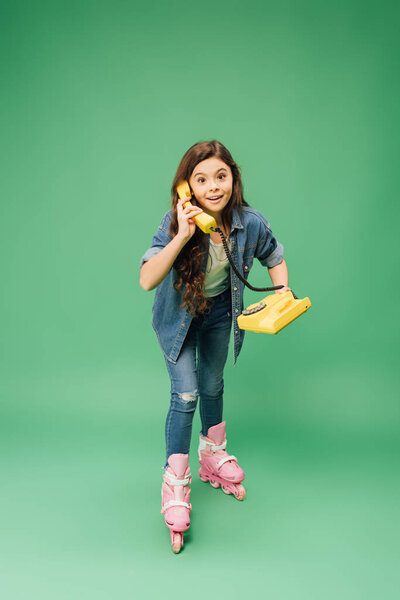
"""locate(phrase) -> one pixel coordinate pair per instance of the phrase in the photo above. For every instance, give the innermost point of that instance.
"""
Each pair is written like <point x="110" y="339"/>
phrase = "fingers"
<point x="192" y="213"/>
<point x="180" y="204"/>
<point x="189" y="210"/>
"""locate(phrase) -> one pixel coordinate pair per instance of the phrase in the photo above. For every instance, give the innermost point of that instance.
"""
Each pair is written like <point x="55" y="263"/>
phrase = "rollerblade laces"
<point x="175" y="496"/>
<point x="217" y="466"/>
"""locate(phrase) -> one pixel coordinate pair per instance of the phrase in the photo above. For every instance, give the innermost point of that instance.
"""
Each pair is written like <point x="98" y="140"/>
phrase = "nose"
<point x="214" y="186"/>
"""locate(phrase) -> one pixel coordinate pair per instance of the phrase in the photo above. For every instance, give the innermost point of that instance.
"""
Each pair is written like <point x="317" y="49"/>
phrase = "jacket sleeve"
<point x="160" y="239"/>
<point x="268" y="250"/>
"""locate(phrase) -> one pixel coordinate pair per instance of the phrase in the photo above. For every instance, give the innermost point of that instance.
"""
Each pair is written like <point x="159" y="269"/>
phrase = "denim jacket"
<point x="250" y="237"/>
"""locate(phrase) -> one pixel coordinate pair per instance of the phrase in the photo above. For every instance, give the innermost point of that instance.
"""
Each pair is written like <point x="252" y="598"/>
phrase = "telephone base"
<point x="273" y="313"/>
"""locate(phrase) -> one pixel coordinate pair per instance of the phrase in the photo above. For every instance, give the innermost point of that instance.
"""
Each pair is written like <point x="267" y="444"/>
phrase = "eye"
<point x="200" y="179"/>
<point x="221" y="175"/>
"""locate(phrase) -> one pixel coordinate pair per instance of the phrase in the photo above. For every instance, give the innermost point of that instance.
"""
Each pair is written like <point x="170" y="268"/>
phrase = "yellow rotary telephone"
<point x="275" y="311"/>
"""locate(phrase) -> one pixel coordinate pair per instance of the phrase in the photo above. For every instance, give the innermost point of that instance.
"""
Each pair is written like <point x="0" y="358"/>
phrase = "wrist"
<point x="283" y="289"/>
<point x="182" y="239"/>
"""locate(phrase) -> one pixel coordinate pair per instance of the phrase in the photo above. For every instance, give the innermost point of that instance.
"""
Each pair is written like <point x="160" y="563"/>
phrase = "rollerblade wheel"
<point x="177" y="542"/>
<point x="226" y="490"/>
<point x="240" y="492"/>
<point x="202" y="476"/>
<point x="215" y="484"/>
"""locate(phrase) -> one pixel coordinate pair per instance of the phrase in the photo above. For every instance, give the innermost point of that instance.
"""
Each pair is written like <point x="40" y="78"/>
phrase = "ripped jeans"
<point x="202" y="376"/>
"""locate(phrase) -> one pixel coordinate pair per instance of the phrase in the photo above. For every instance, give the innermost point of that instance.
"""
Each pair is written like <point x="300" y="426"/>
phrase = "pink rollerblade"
<point x="175" y="496"/>
<point x="217" y="466"/>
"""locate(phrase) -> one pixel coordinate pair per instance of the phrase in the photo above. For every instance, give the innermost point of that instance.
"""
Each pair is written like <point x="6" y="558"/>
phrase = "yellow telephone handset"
<point x="204" y="221"/>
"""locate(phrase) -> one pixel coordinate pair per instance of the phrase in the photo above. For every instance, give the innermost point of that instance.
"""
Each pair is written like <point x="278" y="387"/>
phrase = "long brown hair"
<point x="189" y="261"/>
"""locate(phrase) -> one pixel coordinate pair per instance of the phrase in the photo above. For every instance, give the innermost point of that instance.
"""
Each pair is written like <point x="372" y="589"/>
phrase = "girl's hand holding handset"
<point x="157" y="267"/>
<point x="186" y="224"/>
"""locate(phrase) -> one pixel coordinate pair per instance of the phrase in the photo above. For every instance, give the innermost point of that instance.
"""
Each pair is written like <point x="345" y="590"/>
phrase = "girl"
<point x="198" y="299"/>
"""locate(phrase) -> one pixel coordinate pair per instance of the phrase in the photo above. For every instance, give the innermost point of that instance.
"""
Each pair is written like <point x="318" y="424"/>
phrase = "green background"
<point x="100" y="100"/>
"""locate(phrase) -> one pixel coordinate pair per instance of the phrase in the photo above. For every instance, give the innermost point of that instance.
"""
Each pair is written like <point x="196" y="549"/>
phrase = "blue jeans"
<point x="190" y="377"/>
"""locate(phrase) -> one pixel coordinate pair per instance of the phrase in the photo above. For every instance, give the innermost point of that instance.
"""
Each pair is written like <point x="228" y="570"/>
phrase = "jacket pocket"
<point x="247" y="264"/>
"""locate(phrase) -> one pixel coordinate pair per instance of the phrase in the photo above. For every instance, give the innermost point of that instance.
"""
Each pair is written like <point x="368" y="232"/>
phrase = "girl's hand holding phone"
<point x="186" y="224"/>
<point x="283" y="290"/>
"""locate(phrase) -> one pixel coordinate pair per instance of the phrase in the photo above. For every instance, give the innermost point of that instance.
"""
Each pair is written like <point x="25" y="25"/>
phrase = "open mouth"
<point x="215" y="199"/>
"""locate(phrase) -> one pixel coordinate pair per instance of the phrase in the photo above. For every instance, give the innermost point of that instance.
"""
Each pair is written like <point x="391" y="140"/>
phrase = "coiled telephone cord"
<point x="242" y="279"/>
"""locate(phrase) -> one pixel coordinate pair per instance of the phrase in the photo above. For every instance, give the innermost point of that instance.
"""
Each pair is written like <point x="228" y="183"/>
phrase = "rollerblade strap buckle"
<point x="224" y="460"/>
<point x="215" y="448"/>
<point x="170" y="503"/>
<point x="204" y="445"/>
<point x="171" y="480"/>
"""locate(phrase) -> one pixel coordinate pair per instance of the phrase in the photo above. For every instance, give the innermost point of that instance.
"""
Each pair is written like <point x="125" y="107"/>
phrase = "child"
<point x="198" y="298"/>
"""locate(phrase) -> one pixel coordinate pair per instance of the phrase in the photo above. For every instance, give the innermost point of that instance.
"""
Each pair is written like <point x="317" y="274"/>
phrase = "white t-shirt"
<point x="217" y="271"/>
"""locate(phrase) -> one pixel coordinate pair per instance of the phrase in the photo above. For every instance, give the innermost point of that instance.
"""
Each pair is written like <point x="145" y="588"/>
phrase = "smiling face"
<point x="211" y="183"/>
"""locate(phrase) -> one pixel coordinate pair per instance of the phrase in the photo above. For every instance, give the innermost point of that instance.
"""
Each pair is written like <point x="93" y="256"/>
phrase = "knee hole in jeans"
<point x="188" y="396"/>
<point x="184" y="402"/>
